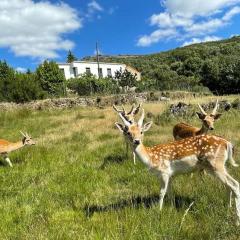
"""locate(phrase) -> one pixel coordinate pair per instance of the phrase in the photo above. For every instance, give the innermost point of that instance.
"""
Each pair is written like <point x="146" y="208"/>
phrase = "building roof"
<point x="91" y="62"/>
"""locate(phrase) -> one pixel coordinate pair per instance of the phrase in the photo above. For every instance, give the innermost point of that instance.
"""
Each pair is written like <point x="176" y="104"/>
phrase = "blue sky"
<point x="32" y="31"/>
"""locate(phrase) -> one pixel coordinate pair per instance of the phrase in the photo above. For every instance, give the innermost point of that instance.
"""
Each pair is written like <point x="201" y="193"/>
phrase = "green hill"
<point x="215" y="65"/>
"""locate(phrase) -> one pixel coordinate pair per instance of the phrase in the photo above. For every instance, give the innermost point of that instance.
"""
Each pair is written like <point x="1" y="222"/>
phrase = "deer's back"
<point x="184" y="130"/>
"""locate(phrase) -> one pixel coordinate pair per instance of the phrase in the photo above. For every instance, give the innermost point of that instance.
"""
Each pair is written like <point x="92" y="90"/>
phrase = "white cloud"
<point x="36" y="29"/>
<point x="206" y="26"/>
<point x="166" y="20"/>
<point x="156" y="36"/>
<point x="93" y="8"/>
<point x="197" y="7"/>
<point x="21" y="69"/>
<point x="199" y="40"/>
<point x="190" y="19"/>
<point x="112" y="10"/>
<point x="230" y="14"/>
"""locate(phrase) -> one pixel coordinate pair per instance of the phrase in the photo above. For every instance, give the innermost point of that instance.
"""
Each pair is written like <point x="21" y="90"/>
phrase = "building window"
<point x="100" y="73"/>
<point x="88" y="70"/>
<point x="109" y="72"/>
<point x="74" y="71"/>
<point x="62" y="70"/>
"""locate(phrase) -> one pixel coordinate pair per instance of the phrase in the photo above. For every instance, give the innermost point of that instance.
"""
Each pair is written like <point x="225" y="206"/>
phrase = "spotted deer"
<point x="184" y="156"/>
<point x="6" y="147"/>
<point x="129" y="116"/>
<point x="183" y="130"/>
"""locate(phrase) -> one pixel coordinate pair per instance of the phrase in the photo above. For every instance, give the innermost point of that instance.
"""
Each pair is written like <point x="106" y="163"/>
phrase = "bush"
<point x="88" y="84"/>
<point x="51" y="78"/>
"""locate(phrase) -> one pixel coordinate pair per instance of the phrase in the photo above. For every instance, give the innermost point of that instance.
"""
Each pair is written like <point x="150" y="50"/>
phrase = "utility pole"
<point x="97" y="53"/>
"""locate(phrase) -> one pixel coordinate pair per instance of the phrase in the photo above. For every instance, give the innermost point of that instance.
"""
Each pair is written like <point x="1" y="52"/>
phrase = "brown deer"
<point x="184" y="130"/>
<point x="129" y="116"/>
<point x="6" y="147"/>
<point x="187" y="155"/>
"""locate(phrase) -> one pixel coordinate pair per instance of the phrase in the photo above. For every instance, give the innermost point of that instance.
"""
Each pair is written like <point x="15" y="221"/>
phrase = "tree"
<point x="25" y="88"/>
<point x="125" y="78"/>
<point x="6" y="77"/>
<point x="18" y="87"/>
<point x="71" y="57"/>
<point x="51" y="78"/>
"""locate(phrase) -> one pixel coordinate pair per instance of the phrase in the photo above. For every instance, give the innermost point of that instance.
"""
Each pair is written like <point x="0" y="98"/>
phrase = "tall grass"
<point x="77" y="182"/>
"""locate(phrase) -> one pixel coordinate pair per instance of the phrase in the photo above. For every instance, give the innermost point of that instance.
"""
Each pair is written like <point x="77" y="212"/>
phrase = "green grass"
<point x="77" y="183"/>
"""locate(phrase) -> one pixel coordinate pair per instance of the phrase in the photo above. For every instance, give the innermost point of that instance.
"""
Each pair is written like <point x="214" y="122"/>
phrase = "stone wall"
<point x="100" y="101"/>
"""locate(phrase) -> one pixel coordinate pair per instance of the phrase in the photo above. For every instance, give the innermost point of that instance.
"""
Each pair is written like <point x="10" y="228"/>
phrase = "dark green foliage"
<point x="18" y="87"/>
<point x="88" y="84"/>
<point x="125" y="78"/>
<point x="70" y="57"/>
<point x="214" y="65"/>
<point x="25" y="88"/>
<point x="51" y="78"/>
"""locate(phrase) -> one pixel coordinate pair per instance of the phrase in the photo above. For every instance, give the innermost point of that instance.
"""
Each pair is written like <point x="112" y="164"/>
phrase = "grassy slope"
<point x="148" y="62"/>
<point x="77" y="184"/>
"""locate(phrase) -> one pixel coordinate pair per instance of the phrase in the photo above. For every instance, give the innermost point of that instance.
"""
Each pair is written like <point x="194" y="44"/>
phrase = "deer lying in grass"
<point x="129" y="116"/>
<point x="6" y="147"/>
<point x="183" y="130"/>
<point x="183" y="156"/>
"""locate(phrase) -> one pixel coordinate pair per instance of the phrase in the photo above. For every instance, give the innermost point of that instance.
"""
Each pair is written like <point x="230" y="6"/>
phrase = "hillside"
<point x="215" y="65"/>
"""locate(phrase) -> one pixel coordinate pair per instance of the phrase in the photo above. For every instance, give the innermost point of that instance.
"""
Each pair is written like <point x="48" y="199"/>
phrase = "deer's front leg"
<point x="7" y="160"/>
<point x="164" y="180"/>
<point x="134" y="158"/>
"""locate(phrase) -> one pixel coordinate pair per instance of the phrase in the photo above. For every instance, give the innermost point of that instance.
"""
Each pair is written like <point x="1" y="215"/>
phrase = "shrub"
<point x="88" y="84"/>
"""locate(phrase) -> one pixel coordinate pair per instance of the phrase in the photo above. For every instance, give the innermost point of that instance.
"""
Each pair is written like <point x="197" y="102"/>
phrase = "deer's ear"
<point x="200" y="115"/>
<point x="119" y="126"/>
<point x="147" y="126"/>
<point x="217" y="116"/>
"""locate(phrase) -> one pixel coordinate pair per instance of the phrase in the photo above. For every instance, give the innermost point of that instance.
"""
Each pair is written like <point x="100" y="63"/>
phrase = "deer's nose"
<point x="136" y="142"/>
<point x="211" y="128"/>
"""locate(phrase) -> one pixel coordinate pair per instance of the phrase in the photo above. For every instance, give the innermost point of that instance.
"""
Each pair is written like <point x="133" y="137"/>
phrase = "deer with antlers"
<point x="187" y="155"/>
<point x="183" y="130"/>
<point x="6" y="147"/>
<point x="129" y="116"/>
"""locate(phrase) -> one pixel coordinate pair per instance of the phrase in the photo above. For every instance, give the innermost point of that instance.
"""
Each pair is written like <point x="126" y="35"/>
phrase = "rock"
<point x="180" y="109"/>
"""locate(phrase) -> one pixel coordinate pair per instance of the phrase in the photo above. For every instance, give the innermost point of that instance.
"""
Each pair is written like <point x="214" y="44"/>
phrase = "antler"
<point x="131" y="111"/>
<point x="136" y="110"/>
<point x="124" y="120"/>
<point x="23" y="133"/>
<point x="202" y="110"/>
<point x="215" y="108"/>
<point x="116" y="109"/>
<point x="140" y="121"/>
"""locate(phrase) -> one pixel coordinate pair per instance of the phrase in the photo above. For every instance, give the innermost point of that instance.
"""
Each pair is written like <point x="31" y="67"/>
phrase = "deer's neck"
<point x="16" y="145"/>
<point x="202" y="130"/>
<point x="143" y="155"/>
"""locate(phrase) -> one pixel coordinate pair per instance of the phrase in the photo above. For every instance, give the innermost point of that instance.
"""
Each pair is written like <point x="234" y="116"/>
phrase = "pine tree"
<point x="70" y="57"/>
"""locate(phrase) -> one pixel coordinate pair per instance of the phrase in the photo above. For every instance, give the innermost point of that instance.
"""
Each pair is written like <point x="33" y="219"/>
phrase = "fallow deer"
<point x="129" y="116"/>
<point x="6" y="147"/>
<point x="183" y="130"/>
<point x="187" y="155"/>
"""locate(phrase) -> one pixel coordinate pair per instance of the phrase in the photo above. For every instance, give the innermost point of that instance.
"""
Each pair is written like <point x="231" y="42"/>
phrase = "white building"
<point x="74" y="69"/>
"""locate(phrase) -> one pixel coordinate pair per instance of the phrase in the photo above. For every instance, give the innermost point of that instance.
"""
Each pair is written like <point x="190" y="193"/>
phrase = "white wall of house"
<point x="76" y="68"/>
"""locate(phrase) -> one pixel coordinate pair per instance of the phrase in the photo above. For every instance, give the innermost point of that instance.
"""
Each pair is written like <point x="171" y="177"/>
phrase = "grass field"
<point x="77" y="183"/>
